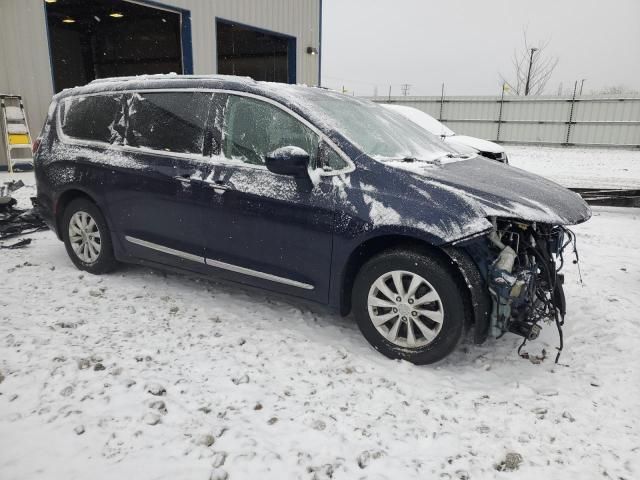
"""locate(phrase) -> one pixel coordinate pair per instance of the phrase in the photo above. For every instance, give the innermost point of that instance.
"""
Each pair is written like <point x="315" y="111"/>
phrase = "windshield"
<point x="380" y="133"/>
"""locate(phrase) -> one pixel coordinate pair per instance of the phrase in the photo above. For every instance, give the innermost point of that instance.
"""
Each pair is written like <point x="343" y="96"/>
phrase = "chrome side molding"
<point x="218" y="264"/>
<point x="163" y="249"/>
<point x="256" y="273"/>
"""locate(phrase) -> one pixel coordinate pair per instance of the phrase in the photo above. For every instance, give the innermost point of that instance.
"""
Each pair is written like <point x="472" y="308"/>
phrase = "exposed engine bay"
<point x="524" y="279"/>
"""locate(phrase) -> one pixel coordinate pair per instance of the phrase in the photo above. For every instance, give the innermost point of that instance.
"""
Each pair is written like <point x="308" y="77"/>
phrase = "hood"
<point x="476" y="143"/>
<point x="494" y="189"/>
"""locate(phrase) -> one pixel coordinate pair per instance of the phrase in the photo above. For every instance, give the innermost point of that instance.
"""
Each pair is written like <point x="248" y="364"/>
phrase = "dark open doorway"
<point x="256" y="53"/>
<point x="106" y="38"/>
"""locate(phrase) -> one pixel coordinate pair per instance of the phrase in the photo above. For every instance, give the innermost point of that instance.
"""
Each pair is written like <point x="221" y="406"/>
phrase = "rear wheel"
<point x="409" y="306"/>
<point x="87" y="237"/>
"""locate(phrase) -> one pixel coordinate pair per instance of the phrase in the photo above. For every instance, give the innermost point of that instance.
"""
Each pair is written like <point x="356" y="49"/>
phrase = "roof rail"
<point x="168" y="76"/>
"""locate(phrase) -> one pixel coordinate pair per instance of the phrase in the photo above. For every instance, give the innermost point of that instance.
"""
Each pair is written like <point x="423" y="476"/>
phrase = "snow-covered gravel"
<point x="580" y="167"/>
<point x="146" y="375"/>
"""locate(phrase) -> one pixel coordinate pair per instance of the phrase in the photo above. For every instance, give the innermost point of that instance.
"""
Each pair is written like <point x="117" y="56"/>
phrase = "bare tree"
<point x="615" y="90"/>
<point x="532" y="68"/>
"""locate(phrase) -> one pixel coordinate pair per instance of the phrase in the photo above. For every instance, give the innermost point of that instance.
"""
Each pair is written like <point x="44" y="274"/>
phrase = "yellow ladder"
<point x="15" y="133"/>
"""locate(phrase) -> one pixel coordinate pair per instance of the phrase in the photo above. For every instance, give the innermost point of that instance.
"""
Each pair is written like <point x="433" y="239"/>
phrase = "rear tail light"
<point x="36" y="145"/>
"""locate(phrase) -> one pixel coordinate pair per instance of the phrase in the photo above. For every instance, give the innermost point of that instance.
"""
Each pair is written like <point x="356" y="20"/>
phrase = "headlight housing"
<point x="499" y="156"/>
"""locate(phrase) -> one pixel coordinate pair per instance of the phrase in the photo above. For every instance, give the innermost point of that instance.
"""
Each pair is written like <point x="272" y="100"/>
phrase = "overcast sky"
<point x="467" y="43"/>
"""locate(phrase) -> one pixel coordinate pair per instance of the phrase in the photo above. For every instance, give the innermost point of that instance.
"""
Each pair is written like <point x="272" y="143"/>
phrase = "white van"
<point x="462" y="143"/>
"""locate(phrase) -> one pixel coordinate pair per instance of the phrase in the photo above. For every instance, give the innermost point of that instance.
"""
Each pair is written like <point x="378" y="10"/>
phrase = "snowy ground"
<point x="580" y="167"/>
<point x="258" y="386"/>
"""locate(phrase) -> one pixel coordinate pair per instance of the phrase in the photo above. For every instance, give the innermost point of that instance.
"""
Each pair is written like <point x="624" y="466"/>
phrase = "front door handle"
<point x="219" y="186"/>
<point x="185" y="180"/>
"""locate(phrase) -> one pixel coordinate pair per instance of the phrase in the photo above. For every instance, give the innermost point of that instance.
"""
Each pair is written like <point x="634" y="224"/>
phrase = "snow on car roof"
<point x="170" y="76"/>
<point x="290" y="95"/>
<point x="178" y="81"/>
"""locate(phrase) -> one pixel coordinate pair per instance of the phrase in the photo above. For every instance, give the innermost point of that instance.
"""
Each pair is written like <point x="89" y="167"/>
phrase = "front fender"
<point x="365" y="215"/>
<point x="436" y="215"/>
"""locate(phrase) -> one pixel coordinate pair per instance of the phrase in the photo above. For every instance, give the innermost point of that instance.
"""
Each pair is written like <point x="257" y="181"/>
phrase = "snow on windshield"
<point x="378" y="132"/>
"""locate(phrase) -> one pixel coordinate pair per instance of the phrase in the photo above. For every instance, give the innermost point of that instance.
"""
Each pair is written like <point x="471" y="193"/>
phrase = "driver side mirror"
<point x="291" y="161"/>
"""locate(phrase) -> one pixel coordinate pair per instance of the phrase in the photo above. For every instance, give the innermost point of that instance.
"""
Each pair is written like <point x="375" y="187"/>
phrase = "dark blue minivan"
<point x="310" y="193"/>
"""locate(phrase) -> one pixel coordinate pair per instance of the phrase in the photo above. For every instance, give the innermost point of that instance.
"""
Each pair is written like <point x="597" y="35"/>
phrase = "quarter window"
<point x="92" y="118"/>
<point x="254" y="128"/>
<point x="330" y="161"/>
<point x="171" y="121"/>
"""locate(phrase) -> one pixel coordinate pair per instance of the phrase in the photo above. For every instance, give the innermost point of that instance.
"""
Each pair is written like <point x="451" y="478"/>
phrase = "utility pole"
<point x="405" y="87"/>
<point x="504" y="87"/>
<point x="570" y="122"/>
<point x="526" y="87"/>
<point x="582" y="85"/>
<point x="441" y="102"/>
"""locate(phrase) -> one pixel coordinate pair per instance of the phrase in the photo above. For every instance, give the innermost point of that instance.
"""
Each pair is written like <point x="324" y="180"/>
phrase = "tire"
<point x="442" y="316"/>
<point x="87" y="217"/>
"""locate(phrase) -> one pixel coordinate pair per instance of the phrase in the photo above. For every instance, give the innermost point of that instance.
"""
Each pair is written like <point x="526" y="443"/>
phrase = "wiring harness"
<point x="525" y="280"/>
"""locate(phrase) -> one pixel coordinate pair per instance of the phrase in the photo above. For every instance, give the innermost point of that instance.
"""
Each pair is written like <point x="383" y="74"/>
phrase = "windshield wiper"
<point x="414" y="159"/>
<point x="453" y="155"/>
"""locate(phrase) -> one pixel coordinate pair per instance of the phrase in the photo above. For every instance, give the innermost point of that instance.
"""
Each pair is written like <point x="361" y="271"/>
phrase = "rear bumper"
<point x="46" y="215"/>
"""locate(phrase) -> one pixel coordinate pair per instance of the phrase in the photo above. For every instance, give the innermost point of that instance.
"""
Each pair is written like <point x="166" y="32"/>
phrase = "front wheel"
<point x="409" y="306"/>
<point x="87" y="237"/>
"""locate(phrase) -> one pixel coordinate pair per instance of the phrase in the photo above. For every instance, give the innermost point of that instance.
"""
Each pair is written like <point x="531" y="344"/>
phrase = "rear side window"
<point x="91" y="118"/>
<point x="168" y="121"/>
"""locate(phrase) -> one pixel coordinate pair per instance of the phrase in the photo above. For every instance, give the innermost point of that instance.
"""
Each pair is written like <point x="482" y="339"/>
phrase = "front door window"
<point x="254" y="128"/>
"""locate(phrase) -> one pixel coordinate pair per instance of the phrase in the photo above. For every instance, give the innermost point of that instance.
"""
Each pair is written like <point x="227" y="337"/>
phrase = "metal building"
<point x="49" y="45"/>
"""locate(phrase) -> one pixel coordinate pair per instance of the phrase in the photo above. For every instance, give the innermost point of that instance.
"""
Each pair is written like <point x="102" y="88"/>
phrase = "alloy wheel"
<point x="405" y="309"/>
<point x="84" y="236"/>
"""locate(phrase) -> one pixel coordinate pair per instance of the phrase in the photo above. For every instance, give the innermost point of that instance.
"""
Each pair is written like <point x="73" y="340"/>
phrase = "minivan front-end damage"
<point x="520" y="263"/>
<point x="515" y="231"/>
